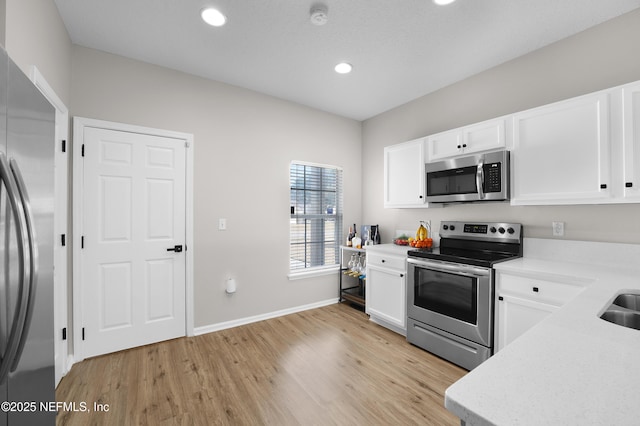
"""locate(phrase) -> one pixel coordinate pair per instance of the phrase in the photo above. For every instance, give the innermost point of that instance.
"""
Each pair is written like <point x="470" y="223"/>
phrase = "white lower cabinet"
<point x="386" y="293"/>
<point x="515" y="315"/>
<point x="523" y="300"/>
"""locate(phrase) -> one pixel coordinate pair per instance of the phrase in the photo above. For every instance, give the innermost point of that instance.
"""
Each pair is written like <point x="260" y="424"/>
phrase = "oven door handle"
<point x="456" y="268"/>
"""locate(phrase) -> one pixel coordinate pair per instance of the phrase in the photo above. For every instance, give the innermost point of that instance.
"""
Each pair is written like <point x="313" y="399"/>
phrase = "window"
<point x="316" y="217"/>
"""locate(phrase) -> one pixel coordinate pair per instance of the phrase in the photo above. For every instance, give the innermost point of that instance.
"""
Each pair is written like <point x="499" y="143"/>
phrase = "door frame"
<point x="79" y="124"/>
<point x="61" y="220"/>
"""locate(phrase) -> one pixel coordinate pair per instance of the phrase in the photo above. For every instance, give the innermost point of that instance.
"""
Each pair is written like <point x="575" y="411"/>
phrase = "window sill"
<point x="313" y="273"/>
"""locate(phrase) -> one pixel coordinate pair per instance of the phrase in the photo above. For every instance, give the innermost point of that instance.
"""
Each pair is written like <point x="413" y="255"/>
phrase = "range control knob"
<point x="501" y="230"/>
<point x="493" y="229"/>
<point x="511" y="230"/>
<point x="445" y="227"/>
<point x="452" y="227"/>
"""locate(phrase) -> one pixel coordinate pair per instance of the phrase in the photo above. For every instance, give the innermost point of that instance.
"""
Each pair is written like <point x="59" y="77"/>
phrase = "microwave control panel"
<point x="492" y="177"/>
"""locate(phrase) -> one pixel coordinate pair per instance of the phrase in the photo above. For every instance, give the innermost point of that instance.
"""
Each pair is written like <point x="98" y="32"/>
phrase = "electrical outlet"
<point x="222" y="224"/>
<point x="557" y="229"/>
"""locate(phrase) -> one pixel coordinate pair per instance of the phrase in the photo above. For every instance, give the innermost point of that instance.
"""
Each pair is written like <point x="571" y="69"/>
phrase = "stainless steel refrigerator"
<point x="27" y="131"/>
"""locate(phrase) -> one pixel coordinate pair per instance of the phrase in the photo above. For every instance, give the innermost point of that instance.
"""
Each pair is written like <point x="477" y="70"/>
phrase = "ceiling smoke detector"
<point x="319" y="14"/>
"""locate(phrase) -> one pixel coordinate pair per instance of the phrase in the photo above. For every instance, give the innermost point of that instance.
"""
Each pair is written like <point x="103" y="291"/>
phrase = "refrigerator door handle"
<point x="33" y="260"/>
<point x="13" y="341"/>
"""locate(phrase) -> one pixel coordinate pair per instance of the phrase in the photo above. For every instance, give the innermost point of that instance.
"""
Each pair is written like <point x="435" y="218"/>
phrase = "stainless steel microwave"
<point x="480" y="177"/>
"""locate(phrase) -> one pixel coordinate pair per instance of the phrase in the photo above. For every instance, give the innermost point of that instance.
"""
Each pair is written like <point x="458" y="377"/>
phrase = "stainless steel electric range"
<point x="450" y="289"/>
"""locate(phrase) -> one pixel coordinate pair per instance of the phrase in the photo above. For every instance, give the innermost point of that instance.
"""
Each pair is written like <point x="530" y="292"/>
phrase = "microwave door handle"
<point x="480" y="179"/>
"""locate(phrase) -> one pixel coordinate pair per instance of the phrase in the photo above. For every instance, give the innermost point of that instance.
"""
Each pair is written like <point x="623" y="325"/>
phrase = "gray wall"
<point x="244" y="142"/>
<point x="601" y="57"/>
<point x="35" y="35"/>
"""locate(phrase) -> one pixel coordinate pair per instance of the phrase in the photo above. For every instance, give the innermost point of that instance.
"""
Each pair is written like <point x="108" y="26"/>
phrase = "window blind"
<point x="316" y="216"/>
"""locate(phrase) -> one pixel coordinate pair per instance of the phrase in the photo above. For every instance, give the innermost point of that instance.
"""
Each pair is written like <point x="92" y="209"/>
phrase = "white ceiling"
<point x="400" y="49"/>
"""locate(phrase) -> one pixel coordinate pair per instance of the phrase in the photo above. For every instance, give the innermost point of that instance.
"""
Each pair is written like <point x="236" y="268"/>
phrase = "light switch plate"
<point x="222" y="224"/>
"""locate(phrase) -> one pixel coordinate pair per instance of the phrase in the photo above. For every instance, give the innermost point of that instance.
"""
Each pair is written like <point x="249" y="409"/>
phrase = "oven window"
<point x="456" y="181"/>
<point x="448" y="294"/>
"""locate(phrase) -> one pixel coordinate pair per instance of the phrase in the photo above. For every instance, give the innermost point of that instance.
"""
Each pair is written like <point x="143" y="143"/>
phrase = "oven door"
<point x="453" y="297"/>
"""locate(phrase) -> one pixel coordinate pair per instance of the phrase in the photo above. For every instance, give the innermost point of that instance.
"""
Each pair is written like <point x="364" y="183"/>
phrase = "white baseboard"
<point x="248" y="320"/>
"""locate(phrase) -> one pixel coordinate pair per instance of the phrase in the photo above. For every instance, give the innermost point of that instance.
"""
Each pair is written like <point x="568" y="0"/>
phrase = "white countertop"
<point x="573" y="367"/>
<point x="391" y="249"/>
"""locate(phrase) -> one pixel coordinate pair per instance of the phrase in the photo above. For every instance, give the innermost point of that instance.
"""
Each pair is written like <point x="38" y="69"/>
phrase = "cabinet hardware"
<point x="535" y="289"/>
<point x="464" y="145"/>
<point x="603" y="186"/>
<point x="401" y="275"/>
<point x="628" y="184"/>
<point x="383" y="260"/>
<point x="500" y="298"/>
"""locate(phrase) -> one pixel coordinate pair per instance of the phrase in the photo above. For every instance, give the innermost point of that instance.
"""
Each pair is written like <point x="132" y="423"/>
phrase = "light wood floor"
<point x="319" y="367"/>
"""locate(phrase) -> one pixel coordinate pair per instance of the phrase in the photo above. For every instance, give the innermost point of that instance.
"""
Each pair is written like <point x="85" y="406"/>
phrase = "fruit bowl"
<point x="426" y="243"/>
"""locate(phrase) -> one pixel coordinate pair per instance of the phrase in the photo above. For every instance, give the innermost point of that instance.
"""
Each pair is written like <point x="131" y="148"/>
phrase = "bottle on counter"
<point x="350" y="237"/>
<point x="356" y="241"/>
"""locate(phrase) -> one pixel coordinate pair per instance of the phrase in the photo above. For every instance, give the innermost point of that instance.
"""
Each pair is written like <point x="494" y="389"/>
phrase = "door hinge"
<point x="64" y="333"/>
<point x="64" y="145"/>
<point x="82" y="333"/>
<point x="63" y="240"/>
<point x="82" y="242"/>
<point x="186" y="144"/>
<point x="83" y="150"/>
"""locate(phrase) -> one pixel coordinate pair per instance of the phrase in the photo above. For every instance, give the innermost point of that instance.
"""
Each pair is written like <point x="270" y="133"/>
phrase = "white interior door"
<point x="133" y="287"/>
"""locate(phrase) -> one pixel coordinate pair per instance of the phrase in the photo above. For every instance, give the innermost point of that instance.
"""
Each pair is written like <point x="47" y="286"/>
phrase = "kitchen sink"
<point x="629" y="301"/>
<point x="624" y="311"/>
<point x="625" y="319"/>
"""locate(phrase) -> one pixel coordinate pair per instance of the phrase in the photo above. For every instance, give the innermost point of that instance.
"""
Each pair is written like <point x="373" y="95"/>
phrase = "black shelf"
<point x="355" y="292"/>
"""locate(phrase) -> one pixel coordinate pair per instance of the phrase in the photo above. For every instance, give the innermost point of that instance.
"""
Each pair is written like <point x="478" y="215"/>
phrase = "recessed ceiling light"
<point x="443" y="2"/>
<point x="213" y="17"/>
<point x="343" y="68"/>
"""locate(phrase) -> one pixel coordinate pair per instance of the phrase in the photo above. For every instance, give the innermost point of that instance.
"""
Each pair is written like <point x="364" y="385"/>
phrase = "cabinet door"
<point x="404" y="174"/>
<point x="515" y="316"/>
<point x="631" y="140"/>
<point x="386" y="296"/>
<point x="483" y="136"/>
<point x="562" y="152"/>
<point x="445" y="144"/>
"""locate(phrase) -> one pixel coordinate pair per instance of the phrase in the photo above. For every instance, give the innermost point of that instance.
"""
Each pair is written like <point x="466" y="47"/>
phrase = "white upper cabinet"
<point x="404" y="174"/>
<point x="484" y="136"/>
<point x="445" y="144"/>
<point x="562" y="152"/>
<point x="631" y="140"/>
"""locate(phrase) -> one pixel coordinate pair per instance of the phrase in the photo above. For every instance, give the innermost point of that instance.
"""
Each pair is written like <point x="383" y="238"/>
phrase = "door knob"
<point x="177" y="249"/>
